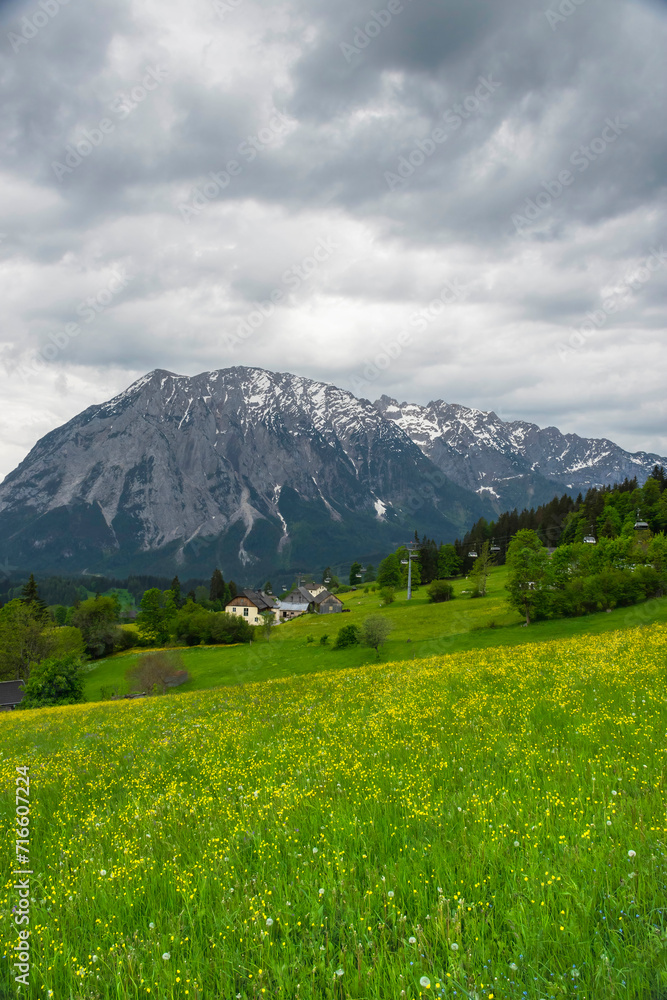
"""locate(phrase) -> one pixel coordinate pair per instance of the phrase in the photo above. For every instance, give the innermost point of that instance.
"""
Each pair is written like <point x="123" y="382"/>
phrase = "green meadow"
<point x="487" y="824"/>
<point x="476" y="814"/>
<point x="420" y="629"/>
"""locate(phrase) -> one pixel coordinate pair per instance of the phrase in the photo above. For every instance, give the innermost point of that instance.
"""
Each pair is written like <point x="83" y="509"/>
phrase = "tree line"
<point x="604" y="512"/>
<point x="46" y="647"/>
<point x="580" y="578"/>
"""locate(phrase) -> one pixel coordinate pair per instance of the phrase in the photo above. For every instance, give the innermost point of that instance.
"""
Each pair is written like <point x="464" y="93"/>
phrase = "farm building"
<point x="251" y="604"/>
<point x="11" y="694"/>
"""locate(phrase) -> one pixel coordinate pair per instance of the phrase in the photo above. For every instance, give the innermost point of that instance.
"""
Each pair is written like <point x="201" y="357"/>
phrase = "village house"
<point x="251" y="604"/>
<point x="318" y="600"/>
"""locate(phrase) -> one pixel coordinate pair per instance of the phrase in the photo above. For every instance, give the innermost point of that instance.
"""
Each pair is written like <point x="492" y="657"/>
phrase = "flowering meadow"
<point x="488" y="824"/>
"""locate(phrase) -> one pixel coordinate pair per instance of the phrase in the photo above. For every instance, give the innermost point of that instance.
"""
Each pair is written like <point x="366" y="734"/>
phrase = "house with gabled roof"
<point x="326" y="603"/>
<point x="250" y="604"/>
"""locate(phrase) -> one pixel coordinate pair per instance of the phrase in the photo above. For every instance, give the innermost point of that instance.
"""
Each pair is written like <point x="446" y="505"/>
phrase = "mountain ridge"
<point x="263" y="472"/>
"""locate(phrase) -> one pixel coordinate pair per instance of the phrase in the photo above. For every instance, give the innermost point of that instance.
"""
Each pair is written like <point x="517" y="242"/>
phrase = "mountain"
<point x="514" y="464"/>
<point x="253" y="471"/>
<point x="270" y="474"/>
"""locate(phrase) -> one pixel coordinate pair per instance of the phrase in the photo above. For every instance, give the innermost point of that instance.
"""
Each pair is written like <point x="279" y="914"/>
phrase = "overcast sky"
<point x="432" y="199"/>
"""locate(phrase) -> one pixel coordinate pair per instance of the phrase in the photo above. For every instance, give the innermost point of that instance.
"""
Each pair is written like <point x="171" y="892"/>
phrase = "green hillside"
<point x="420" y="629"/>
<point x="483" y="826"/>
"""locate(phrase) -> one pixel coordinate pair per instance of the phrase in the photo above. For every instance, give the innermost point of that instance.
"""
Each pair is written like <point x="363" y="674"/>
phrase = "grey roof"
<point x="260" y="600"/>
<point x="298" y="596"/>
<point x="11" y="692"/>
<point x="323" y="596"/>
<point x="291" y="606"/>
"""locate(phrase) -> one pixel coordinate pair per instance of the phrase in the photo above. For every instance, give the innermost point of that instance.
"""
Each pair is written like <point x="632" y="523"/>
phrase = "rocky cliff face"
<point x="259" y="473"/>
<point x="515" y="464"/>
<point x="242" y="468"/>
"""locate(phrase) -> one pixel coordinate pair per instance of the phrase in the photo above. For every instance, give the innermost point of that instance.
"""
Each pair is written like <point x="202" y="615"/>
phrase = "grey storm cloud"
<point x="515" y="152"/>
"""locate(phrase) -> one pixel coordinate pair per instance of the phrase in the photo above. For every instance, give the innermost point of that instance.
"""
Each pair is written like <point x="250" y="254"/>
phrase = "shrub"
<point x="156" y="672"/>
<point x="375" y="631"/>
<point x="224" y="629"/>
<point x="349" y="635"/>
<point x="440" y="591"/>
<point x="324" y="640"/>
<point x="97" y="618"/>
<point x="191" y="625"/>
<point x="56" y="681"/>
<point x="126" y="639"/>
<point x="108" y="691"/>
<point x="388" y="595"/>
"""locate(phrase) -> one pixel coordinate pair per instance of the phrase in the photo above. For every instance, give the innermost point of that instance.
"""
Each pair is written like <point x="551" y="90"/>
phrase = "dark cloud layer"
<point x="489" y="177"/>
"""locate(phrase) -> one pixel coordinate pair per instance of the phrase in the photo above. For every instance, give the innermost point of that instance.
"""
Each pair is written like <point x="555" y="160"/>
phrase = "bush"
<point x="126" y="639"/>
<point x="56" y="681"/>
<point x="108" y="691"/>
<point x="97" y="618"/>
<point x="388" y="595"/>
<point x="156" y="672"/>
<point x="324" y="640"/>
<point x="440" y="591"/>
<point x="375" y="631"/>
<point x="191" y="624"/>
<point x="224" y="629"/>
<point x="349" y="635"/>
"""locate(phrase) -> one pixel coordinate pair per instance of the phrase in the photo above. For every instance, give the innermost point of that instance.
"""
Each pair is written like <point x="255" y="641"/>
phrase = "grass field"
<point x="420" y="629"/>
<point x="488" y="824"/>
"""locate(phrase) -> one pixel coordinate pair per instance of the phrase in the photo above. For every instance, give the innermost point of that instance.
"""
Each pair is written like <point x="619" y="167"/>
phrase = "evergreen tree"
<point x="30" y="591"/>
<point x="176" y="591"/>
<point x="233" y="590"/>
<point x="30" y="596"/>
<point x="355" y="574"/>
<point x="217" y="589"/>
<point x="428" y="559"/>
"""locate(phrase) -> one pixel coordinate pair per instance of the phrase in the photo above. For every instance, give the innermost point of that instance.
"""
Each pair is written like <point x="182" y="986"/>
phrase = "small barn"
<point x="327" y="604"/>
<point x="11" y="695"/>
